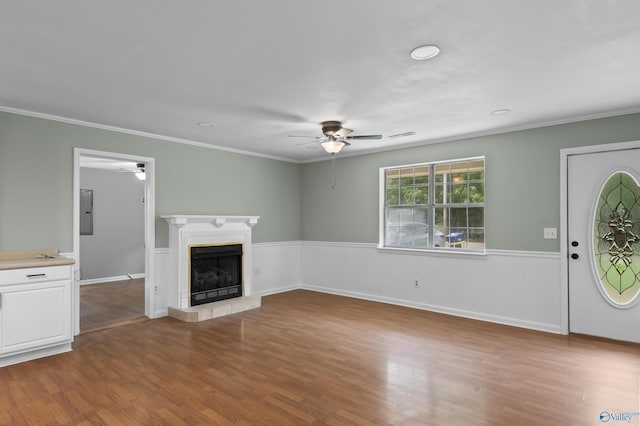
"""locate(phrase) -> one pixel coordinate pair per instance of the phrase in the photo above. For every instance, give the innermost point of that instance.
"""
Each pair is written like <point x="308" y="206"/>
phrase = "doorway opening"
<point x="114" y="237"/>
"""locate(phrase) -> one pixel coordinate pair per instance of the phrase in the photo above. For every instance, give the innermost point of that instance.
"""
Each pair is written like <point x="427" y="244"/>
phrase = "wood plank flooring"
<point x="313" y="358"/>
<point x="109" y="304"/>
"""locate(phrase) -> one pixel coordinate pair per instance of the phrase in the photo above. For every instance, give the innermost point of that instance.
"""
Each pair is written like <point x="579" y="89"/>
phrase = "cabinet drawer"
<point x="33" y="275"/>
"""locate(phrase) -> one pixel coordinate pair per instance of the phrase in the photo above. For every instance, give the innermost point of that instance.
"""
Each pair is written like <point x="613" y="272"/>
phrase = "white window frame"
<point x="431" y="206"/>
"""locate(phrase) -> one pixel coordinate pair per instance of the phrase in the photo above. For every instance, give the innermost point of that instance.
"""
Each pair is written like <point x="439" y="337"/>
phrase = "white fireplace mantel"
<point x="217" y="221"/>
<point x="187" y="230"/>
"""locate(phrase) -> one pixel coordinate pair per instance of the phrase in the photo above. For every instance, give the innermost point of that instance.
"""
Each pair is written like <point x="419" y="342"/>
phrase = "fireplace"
<point x="217" y="279"/>
<point x="215" y="272"/>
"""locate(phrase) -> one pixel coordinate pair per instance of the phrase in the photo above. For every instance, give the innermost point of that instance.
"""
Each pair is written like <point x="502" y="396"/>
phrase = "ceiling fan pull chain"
<point x="333" y="172"/>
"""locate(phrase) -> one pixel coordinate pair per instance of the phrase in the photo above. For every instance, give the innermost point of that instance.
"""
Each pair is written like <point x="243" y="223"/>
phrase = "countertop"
<point x="32" y="259"/>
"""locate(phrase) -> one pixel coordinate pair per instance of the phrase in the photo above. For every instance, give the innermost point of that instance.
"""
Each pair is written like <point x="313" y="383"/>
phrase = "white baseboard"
<point x="277" y="290"/>
<point x="479" y="316"/>
<point x="514" y="288"/>
<point x="514" y="322"/>
<point x="517" y="288"/>
<point x="111" y="279"/>
<point x="160" y="313"/>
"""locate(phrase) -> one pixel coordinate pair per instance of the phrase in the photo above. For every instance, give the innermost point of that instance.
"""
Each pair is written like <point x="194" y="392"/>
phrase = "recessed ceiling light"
<point x="428" y="51"/>
<point x="501" y="112"/>
<point x="205" y="124"/>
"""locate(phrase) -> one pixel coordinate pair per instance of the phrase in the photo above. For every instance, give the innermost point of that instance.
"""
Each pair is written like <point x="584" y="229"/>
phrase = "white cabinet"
<point x="35" y="313"/>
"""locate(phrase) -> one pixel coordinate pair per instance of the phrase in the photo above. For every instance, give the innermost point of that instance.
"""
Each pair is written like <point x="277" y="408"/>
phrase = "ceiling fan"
<point x="336" y="137"/>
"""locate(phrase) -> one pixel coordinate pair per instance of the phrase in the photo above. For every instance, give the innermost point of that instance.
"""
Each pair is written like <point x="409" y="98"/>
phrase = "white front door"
<point x="604" y="244"/>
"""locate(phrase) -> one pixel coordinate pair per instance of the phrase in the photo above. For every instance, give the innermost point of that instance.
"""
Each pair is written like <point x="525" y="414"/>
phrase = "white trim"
<point x="271" y="278"/>
<point x="428" y="163"/>
<point x="276" y="290"/>
<point x="483" y="133"/>
<point x="160" y="313"/>
<point x="445" y="251"/>
<point x="343" y="154"/>
<point x="430" y="206"/>
<point x="494" y="252"/>
<point x="523" y="253"/>
<point x="564" y="216"/>
<point x="550" y="328"/>
<point x="138" y="133"/>
<point x="149" y="226"/>
<point x="277" y="244"/>
<point x="486" y="287"/>
<point x="35" y="354"/>
<point x="111" y="279"/>
<point x="338" y="244"/>
<point x="382" y="187"/>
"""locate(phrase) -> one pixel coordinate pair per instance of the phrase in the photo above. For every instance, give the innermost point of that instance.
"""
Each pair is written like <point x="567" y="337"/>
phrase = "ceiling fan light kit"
<point x="333" y="146"/>
<point x="335" y="137"/>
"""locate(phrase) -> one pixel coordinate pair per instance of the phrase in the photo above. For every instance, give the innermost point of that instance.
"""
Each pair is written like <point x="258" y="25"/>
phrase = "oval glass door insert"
<point x="615" y="239"/>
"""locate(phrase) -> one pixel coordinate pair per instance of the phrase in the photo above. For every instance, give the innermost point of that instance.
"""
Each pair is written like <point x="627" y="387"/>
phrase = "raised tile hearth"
<point x="216" y="309"/>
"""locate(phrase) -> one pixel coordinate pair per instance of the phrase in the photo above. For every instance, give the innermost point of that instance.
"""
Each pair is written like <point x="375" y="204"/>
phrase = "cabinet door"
<point x="34" y="315"/>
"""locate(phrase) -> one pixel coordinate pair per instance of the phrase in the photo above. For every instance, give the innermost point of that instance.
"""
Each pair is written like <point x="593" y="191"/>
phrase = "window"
<point x="434" y="206"/>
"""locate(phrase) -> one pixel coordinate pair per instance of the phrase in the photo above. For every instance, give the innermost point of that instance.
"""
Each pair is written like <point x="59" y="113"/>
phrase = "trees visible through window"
<point x="434" y="205"/>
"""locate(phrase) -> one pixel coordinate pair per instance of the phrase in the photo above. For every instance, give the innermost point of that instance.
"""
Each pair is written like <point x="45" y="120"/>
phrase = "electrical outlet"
<point x="416" y="284"/>
<point x="550" y="233"/>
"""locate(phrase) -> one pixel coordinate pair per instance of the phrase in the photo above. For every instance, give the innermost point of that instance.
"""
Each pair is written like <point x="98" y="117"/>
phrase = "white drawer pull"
<point x="31" y="276"/>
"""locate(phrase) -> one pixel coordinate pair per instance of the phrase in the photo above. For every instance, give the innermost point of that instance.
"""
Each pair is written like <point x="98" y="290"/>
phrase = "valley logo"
<point x="607" y="416"/>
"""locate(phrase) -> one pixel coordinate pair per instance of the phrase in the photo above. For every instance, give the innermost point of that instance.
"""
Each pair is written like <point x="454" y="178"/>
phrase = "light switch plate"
<point x="550" y="233"/>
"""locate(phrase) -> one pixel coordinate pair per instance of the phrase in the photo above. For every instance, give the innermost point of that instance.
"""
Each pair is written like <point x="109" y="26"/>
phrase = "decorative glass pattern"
<point x="616" y="230"/>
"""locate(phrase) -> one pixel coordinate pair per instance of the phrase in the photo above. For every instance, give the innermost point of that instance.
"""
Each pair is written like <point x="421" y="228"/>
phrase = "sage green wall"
<point x="522" y="191"/>
<point x="294" y="202"/>
<point x="36" y="178"/>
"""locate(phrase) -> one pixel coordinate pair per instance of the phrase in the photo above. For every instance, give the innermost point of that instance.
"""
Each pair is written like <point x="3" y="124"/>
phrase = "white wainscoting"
<point x="111" y="279"/>
<point x="509" y="287"/>
<point x="276" y="269"/>
<point x="160" y="298"/>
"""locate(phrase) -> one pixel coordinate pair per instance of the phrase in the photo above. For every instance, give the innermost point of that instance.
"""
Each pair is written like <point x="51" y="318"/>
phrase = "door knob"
<point x="574" y="255"/>
<point x="574" y="243"/>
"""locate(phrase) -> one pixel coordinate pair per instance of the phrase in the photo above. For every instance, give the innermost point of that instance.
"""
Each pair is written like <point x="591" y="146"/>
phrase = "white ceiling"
<point x="262" y="70"/>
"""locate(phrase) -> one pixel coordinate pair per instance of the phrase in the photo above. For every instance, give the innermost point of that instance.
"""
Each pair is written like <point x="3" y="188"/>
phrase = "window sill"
<point x="447" y="252"/>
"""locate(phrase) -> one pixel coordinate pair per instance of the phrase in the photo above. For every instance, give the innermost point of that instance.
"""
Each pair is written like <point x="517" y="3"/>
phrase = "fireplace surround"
<point x="213" y="233"/>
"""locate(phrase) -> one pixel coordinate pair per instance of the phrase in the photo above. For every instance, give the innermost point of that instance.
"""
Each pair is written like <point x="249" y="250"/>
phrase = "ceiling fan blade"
<point x="318" y="139"/>
<point x="363" y="137"/>
<point x="305" y="143"/>
<point x="267" y="113"/>
<point x="342" y="132"/>
<point x="303" y="136"/>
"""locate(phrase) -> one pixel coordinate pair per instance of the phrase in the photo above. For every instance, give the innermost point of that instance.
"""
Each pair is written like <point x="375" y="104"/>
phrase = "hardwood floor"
<point x="313" y="358"/>
<point x="108" y="304"/>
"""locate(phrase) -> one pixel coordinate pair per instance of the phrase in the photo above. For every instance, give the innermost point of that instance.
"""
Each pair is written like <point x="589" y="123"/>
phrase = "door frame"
<point x="564" y="217"/>
<point x="149" y="227"/>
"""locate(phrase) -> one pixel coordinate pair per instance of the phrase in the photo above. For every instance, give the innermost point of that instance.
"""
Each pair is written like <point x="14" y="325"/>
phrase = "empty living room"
<point x="324" y="213"/>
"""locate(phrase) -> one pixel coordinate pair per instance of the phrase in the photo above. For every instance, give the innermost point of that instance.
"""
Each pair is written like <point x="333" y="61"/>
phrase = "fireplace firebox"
<point x="216" y="273"/>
